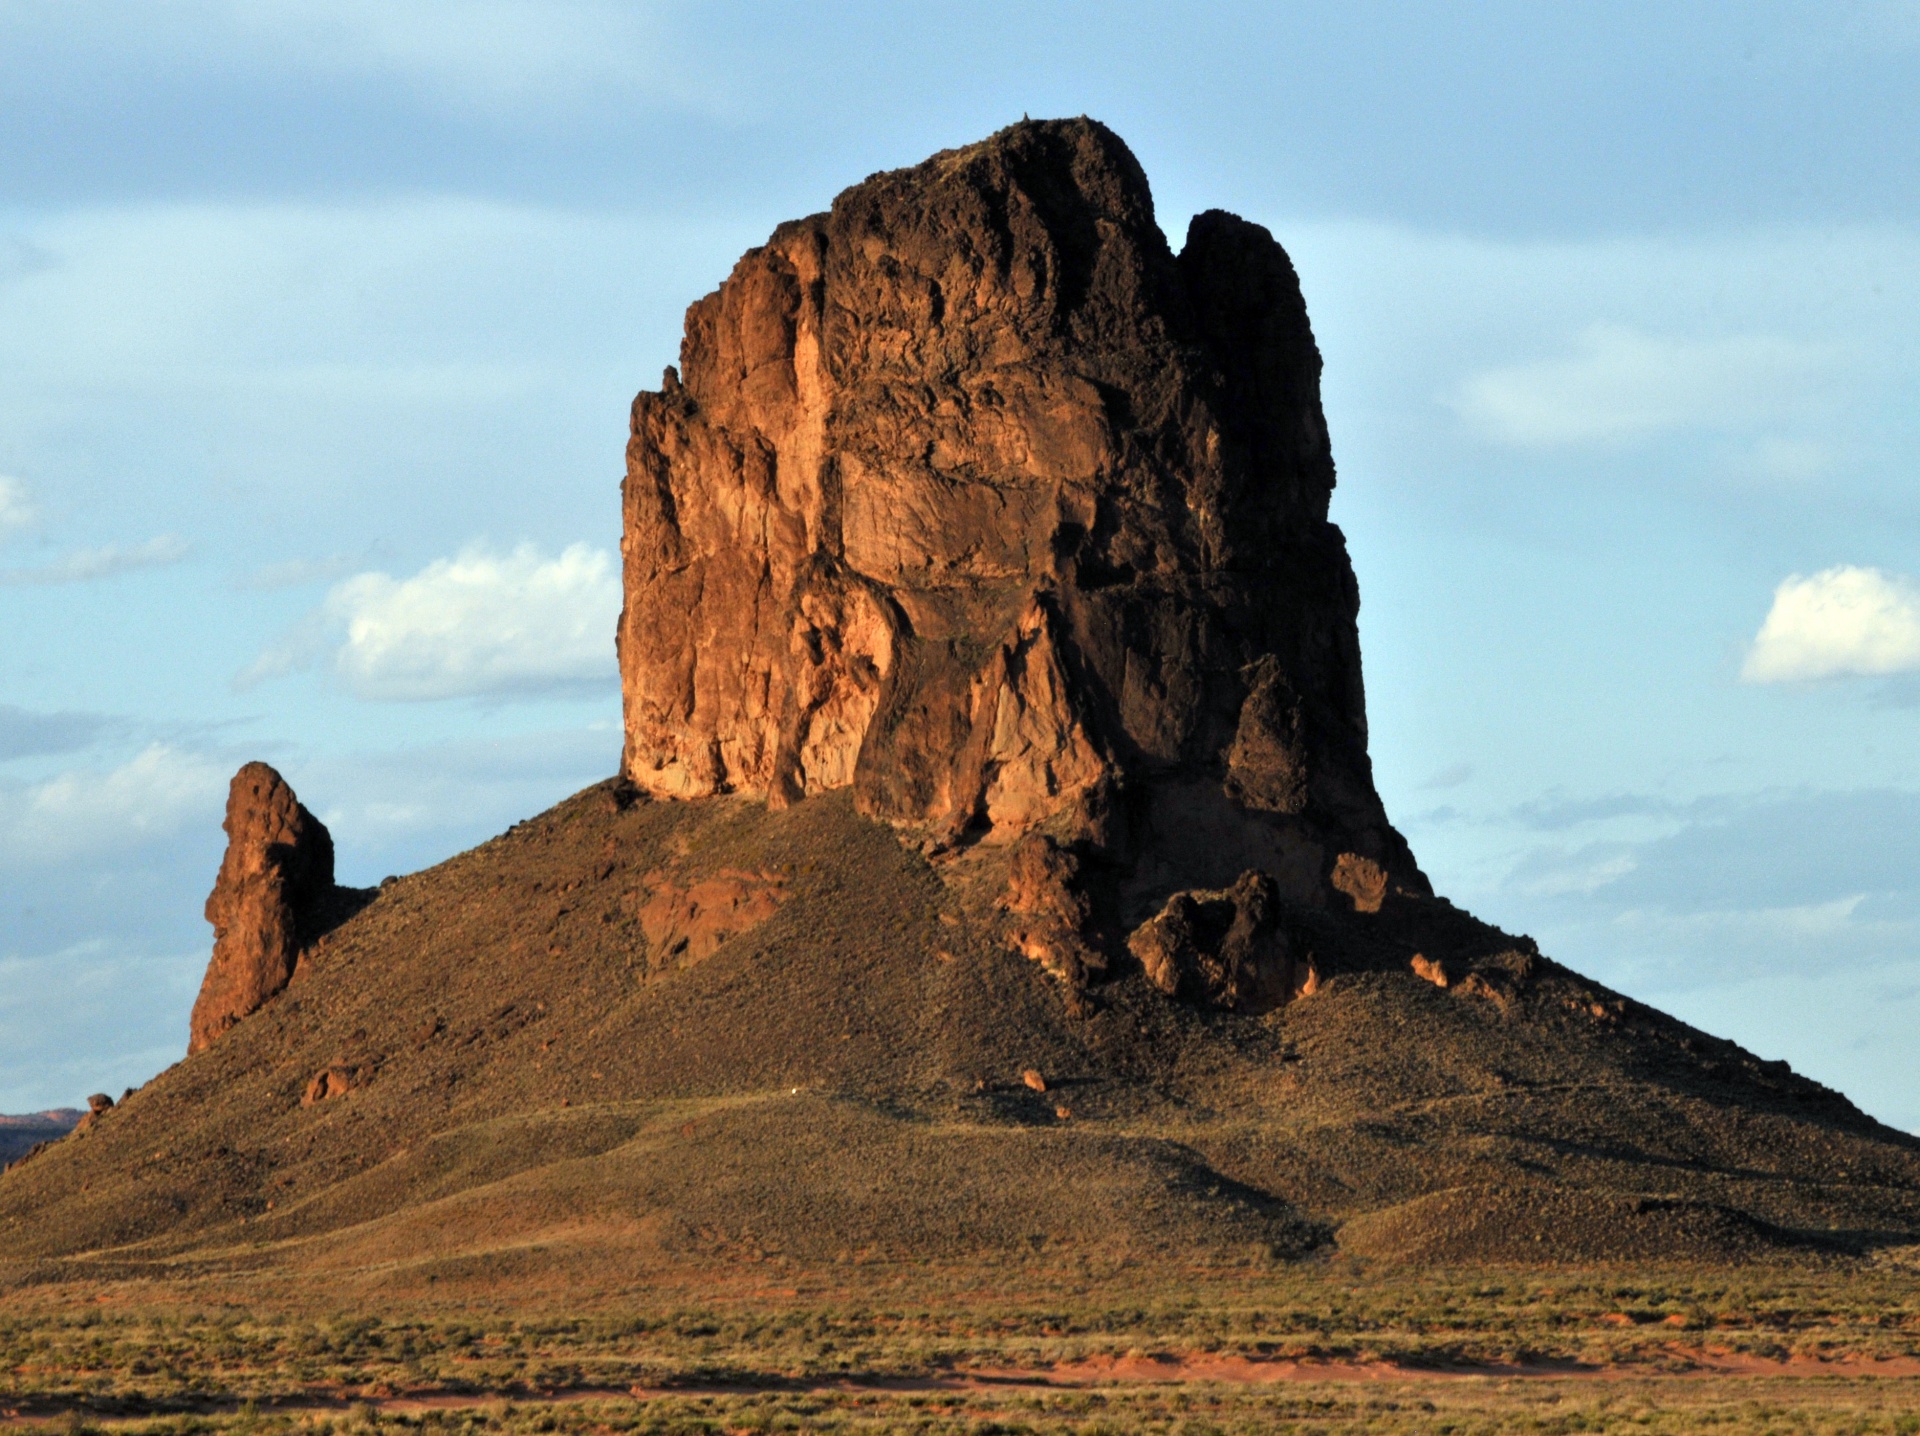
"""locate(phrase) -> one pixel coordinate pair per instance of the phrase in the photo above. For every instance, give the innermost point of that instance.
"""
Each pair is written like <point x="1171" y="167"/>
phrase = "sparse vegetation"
<point x="1841" y="1407"/>
<point x="941" y="1351"/>
<point x="540" y="1099"/>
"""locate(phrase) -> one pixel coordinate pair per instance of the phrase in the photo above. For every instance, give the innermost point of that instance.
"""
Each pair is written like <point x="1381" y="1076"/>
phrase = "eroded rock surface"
<point x="328" y="1082"/>
<point x="1228" y="948"/>
<point x="98" y="1105"/>
<point x="274" y="893"/>
<point x="972" y="495"/>
<point x="686" y="920"/>
<point x="1052" y="911"/>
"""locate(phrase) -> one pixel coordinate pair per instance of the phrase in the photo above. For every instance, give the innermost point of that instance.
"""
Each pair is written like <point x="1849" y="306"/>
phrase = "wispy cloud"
<point x="529" y="55"/>
<point x="1736" y="853"/>
<point x="400" y="809"/>
<point x="86" y="564"/>
<point x="85" y="811"/>
<point x="1621" y="383"/>
<point x="471" y="49"/>
<point x="1789" y="461"/>
<point x="1451" y="776"/>
<point x="52" y="1053"/>
<point x="16" y="508"/>
<point x="295" y="572"/>
<point x="483" y="624"/>
<point x="1556" y="872"/>
<point x="1842" y="621"/>
<point x="26" y="734"/>
<point x="1554" y="813"/>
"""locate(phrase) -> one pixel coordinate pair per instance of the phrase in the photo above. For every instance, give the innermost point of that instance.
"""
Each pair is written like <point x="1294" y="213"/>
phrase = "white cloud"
<point x="84" y="565"/>
<point x="481" y="624"/>
<point x="1623" y="383"/>
<point x="16" y="508"/>
<point x="1841" y="621"/>
<point x="82" y="811"/>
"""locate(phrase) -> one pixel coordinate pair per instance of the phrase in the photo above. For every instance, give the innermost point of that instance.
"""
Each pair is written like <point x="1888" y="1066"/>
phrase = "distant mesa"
<point x="20" y="1134"/>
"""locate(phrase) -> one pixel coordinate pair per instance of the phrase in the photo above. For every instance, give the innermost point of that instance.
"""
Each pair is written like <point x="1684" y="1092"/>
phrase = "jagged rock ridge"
<point x="971" y="495"/>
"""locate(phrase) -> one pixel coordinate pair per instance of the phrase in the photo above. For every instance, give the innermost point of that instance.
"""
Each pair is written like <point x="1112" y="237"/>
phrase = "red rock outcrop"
<point x="1227" y="949"/>
<point x="1431" y="970"/>
<point x="98" y="1105"/>
<point x="971" y="495"/>
<point x="687" y="920"/>
<point x="1053" y="916"/>
<point x="328" y="1082"/>
<point x="274" y="890"/>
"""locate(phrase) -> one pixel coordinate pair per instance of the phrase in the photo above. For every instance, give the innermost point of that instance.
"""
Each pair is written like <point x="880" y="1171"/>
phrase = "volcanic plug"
<point x="974" y="497"/>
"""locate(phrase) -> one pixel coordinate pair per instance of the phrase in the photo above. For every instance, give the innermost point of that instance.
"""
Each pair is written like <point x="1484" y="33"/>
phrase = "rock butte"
<point x="997" y="533"/>
<point x="971" y="495"/>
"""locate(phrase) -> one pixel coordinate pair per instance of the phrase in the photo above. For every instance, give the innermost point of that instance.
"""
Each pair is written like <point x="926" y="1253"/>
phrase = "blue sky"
<point x="319" y="321"/>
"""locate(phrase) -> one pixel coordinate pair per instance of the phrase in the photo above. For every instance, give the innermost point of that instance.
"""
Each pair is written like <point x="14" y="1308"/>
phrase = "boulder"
<point x="328" y="1082"/>
<point x="973" y="496"/>
<point x="273" y="895"/>
<point x="1227" y="948"/>
<point x="1431" y="969"/>
<point x="98" y="1105"/>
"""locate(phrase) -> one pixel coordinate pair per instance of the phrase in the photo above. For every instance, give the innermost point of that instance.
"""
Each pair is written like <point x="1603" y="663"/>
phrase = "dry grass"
<point x="104" y="1355"/>
<point x="1844" y="1407"/>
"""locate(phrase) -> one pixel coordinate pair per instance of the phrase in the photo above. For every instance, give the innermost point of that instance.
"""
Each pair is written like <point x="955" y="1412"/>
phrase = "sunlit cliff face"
<point x="972" y="496"/>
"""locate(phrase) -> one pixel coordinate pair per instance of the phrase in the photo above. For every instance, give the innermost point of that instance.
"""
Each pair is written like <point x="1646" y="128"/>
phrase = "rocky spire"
<point x="274" y="889"/>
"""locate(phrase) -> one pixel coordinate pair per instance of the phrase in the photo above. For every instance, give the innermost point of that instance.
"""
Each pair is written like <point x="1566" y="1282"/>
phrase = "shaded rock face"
<point x="1226" y="949"/>
<point x="1053" y="913"/>
<point x="274" y="892"/>
<point x="971" y="495"/>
